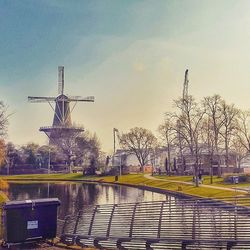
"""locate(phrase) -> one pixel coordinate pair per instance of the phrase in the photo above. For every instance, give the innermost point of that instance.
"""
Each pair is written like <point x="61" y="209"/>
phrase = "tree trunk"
<point x="196" y="174"/>
<point x="219" y="167"/>
<point x="226" y="156"/>
<point x="211" y="169"/>
<point x="168" y="163"/>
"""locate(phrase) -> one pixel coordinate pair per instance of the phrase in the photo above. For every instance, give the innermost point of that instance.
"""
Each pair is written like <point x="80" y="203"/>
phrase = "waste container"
<point x="30" y="220"/>
<point x="236" y="179"/>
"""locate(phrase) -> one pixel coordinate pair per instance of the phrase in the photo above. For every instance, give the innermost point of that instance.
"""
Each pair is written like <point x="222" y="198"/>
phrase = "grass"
<point x="140" y="180"/>
<point x="217" y="181"/>
<point x="76" y="176"/>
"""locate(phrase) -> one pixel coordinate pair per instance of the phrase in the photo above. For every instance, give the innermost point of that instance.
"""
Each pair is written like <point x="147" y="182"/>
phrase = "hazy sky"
<point x="130" y="54"/>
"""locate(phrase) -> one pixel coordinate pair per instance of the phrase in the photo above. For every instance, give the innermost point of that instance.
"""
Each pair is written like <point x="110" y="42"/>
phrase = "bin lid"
<point x="31" y="203"/>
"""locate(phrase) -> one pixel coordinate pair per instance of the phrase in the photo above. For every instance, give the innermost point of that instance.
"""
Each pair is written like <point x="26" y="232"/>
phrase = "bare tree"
<point x="190" y="118"/>
<point x="239" y="149"/>
<point x="167" y="135"/>
<point x="229" y="115"/>
<point x="207" y="137"/>
<point x="3" y="119"/>
<point x="3" y="130"/>
<point x="66" y="144"/>
<point x="140" y="142"/>
<point x="213" y="128"/>
<point x="243" y="129"/>
<point x="88" y="151"/>
<point x="2" y="152"/>
<point x="241" y="139"/>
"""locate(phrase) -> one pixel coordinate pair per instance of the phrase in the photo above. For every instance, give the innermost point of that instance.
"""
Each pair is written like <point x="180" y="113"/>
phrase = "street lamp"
<point x="121" y="162"/>
<point x="49" y="162"/>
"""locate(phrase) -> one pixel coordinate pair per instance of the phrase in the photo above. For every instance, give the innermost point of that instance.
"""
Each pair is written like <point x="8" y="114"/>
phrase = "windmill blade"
<point x="60" y="80"/>
<point x="82" y="99"/>
<point x="41" y="99"/>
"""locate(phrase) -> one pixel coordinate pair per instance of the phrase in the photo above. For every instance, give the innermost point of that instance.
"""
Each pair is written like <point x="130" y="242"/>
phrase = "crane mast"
<point x="185" y="86"/>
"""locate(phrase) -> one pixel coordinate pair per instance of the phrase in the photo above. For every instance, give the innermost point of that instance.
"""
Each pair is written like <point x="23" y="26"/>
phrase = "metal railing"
<point x="172" y="224"/>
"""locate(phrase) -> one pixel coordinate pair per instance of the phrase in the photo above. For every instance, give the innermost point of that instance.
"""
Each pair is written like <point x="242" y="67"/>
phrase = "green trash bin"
<point x="30" y="220"/>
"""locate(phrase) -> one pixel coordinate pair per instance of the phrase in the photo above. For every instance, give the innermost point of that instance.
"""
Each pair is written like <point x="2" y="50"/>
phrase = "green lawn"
<point x="45" y="177"/>
<point x="206" y="180"/>
<point x="180" y="188"/>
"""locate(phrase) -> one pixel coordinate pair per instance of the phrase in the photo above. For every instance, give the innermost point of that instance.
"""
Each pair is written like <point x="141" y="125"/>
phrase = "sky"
<point x="131" y="55"/>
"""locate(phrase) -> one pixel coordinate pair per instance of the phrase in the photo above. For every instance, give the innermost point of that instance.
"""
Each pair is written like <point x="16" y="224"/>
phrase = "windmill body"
<point x="62" y="129"/>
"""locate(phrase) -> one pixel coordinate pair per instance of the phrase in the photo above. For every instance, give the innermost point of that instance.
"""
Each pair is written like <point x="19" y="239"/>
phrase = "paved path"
<point x="149" y="176"/>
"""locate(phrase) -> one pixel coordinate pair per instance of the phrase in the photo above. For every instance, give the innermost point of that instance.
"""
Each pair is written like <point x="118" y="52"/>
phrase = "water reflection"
<point x="74" y="196"/>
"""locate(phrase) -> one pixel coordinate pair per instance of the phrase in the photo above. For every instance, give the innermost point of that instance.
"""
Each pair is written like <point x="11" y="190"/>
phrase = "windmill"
<point x="62" y="128"/>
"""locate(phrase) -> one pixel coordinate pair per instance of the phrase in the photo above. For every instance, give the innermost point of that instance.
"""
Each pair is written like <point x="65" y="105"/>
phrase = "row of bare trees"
<point x="211" y="124"/>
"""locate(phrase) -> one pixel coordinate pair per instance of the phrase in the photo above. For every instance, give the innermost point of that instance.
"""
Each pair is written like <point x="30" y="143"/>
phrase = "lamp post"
<point x="49" y="162"/>
<point x="120" y="164"/>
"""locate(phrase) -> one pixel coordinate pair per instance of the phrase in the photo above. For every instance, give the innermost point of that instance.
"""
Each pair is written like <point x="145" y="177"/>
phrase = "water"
<point x="74" y="196"/>
<point x="180" y="218"/>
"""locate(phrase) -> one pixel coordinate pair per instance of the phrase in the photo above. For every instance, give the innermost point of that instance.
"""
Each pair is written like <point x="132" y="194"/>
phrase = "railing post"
<point x="160" y="219"/>
<point x="132" y="220"/>
<point x="64" y="224"/>
<point x="92" y="219"/>
<point x="183" y="245"/>
<point x="194" y="221"/>
<point x="235" y="218"/>
<point x="77" y="221"/>
<point x="110" y="220"/>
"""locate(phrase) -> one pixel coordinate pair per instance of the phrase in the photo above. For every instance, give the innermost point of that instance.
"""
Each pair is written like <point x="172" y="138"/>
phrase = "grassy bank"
<point x="217" y="181"/>
<point x="135" y="180"/>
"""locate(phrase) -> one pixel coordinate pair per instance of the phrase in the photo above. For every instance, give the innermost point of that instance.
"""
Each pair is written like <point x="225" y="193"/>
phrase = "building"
<point x="179" y="163"/>
<point x="187" y="162"/>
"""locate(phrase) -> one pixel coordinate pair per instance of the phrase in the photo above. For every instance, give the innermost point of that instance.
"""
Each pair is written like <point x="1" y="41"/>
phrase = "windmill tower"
<point x="62" y="128"/>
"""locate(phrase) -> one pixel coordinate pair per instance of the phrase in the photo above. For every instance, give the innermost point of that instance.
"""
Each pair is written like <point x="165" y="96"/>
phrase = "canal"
<point x="74" y="196"/>
<point x="180" y="218"/>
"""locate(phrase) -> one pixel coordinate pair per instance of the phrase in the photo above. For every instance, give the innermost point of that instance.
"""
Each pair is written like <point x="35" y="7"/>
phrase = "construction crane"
<point x="180" y="138"/>
<point x="185" y="86"/>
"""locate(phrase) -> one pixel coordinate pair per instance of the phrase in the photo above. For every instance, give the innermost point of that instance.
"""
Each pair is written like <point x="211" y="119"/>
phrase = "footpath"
<point x="240" y="190"/>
